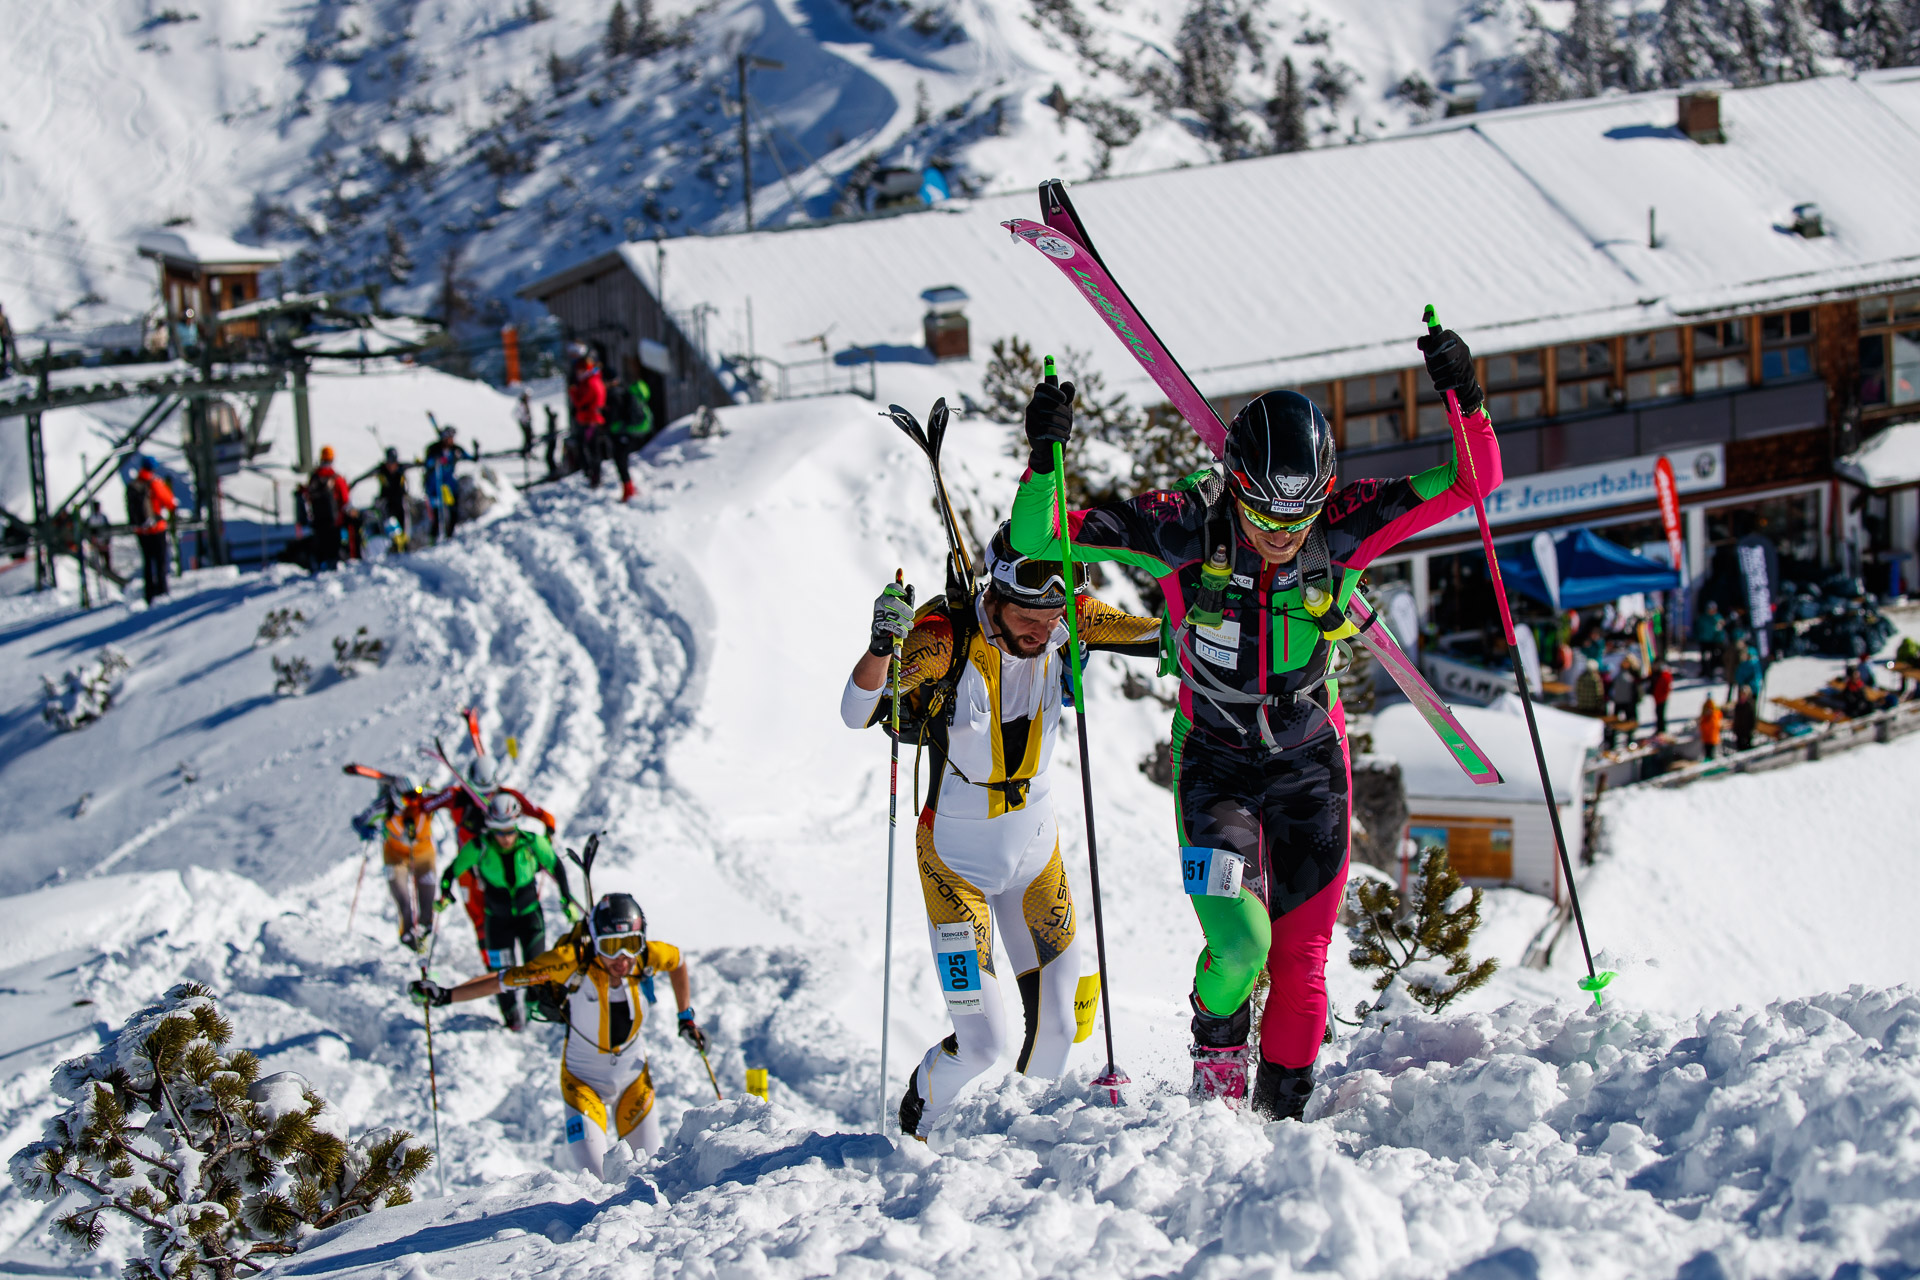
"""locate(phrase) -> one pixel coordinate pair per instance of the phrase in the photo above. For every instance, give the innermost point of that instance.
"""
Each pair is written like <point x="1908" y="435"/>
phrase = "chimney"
<point x="945" y="323"/>
<point x="1700" y="116"/>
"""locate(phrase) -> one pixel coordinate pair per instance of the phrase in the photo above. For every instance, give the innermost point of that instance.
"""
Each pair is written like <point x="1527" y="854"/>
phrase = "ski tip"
<point x="1430" y="318"/>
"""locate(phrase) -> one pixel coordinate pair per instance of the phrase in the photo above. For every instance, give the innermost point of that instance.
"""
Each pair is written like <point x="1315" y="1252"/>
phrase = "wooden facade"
<point x="603" y="302"/>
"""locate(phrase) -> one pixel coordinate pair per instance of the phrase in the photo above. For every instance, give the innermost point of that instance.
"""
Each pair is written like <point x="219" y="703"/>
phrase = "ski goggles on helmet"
<point x="614" y="944"/>
<point x="1267" y="524"/>
<point x="1036" y="584"/>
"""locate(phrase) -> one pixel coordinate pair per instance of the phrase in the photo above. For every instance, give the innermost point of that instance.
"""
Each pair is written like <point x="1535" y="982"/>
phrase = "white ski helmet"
<point x="482" y="774"/>
<point x="504" y="812"/>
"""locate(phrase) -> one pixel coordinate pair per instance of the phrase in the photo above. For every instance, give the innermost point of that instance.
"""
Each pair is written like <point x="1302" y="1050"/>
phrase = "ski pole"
<point x="711" y="1077"/>
<point x="366" y="854"/>
<point x="893" y="827"/>
<point x="1112" y="1078"/>
<point x="1594" y="983"/>
<point x="433" y="1086"/>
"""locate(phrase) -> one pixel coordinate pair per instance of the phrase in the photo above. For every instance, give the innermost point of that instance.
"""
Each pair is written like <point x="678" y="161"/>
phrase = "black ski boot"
<point x="912" y="1106"/>
<point x="1219" y="1053"/>
<point x="1281" y="1093"/>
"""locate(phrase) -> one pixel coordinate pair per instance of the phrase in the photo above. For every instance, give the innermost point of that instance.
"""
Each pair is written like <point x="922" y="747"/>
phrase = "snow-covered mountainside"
<point x="464" y="147"/>
<point x="672" y="671"/>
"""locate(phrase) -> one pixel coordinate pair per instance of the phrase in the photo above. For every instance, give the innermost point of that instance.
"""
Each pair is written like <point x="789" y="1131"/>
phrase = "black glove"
<point x="1450" y="365"/>
<point x="430" y="994"/>
<point x="1049" y="422"/>
<point x="690" y="1031"/>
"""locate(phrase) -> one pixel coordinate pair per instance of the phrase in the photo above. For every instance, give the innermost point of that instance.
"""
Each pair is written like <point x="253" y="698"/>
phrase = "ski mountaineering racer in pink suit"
<point x="1262" y="779"/>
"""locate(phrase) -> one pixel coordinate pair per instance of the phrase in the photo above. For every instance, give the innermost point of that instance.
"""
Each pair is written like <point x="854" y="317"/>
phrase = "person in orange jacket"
<point x="150" y="508"/>
<point x="587" y="394"/>
<point x="327" y="510"/>
<point x="1710" y="719"/>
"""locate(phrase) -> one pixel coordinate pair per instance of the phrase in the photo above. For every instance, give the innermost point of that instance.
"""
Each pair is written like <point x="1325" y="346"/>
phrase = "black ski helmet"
<point x="618" y="913"/>
<point x="1280" y="456"/>
<point x="1031" y="584"/>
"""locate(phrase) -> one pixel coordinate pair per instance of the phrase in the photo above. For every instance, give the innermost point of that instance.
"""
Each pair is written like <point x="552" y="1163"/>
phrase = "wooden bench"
<point x="1811" y="710"/>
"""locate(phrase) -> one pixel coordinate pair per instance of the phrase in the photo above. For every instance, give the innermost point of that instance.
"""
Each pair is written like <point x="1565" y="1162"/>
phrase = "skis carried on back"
<point x="960" y="572"/>
<point x="1065" y="242"/>
<point x="1439" y="717"/>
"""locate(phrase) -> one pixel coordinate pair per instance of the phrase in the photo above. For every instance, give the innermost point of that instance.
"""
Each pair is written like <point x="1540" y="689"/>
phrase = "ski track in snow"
<point x="670" y="669"/>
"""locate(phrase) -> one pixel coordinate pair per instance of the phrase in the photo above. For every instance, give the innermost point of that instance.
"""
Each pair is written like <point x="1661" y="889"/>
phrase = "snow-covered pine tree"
<point x="1749" y="53"/>
<point x="1410" y="939"/>
<point x="1287" y="109"/>
<point x="1541" y="77"/>
<point x="619" y="38"/>
<point x="1797" y="40"/>
<point x="1588" y="49"/>
<point x="1879" y="35"/>
<point x="1208" y="46"/>
<point x="218" y="1165"/>
<point x="1685" y="47"/>
<point x="647" y="39"/>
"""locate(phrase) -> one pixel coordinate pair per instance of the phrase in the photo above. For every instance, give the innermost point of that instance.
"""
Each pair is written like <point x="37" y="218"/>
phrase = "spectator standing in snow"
<point x="1750" y="674"/>
<point x="1590" y="691"/>
<point x="553" y="438"/>
<point x="442" y="485"/>
<point x="150" y="506"/>
<point x="587" y="396"/>
<point x="1710" y="633"/>
<point x="1661" y="687"/>
<point x="98" y="537"/>
<point x="9" y="353"/>
<point x="1746" y="716"/>
<point x="327" y="511"/>
<point x="1624" y="692"/>
<point x="1710" y="717"/>
<point x="523" y="417"/>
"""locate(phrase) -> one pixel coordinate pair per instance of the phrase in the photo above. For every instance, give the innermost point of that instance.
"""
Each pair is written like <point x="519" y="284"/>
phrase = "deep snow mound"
<point x="1527" y="1142"/>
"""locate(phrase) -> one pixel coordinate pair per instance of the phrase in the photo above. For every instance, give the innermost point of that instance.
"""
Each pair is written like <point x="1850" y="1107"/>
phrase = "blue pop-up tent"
<point x="1592" y="570"/>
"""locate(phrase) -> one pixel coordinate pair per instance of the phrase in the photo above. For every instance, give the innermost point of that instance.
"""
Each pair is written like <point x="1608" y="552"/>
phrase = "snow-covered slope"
<point x="671" y="669"/>
<point x="489" y="141"/>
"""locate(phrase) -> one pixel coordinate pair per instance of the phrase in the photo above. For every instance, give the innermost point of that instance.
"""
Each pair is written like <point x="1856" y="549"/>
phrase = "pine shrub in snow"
<point x="362" y="651"/>
<point x="291" y="676"/>
<point x="221" y="1167"/>
<point x="1419" y="941"/>
<point x="83" y="694"/>
<point x="279" y="624"/>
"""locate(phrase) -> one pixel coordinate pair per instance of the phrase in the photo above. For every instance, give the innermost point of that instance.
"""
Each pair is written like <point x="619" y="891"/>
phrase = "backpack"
<point x="547" y="1001"/>
<point x="140" y="503"/>
<point x="622" y="412"/>
<point x="927" y="712"/>
<point x="323" y="504"/>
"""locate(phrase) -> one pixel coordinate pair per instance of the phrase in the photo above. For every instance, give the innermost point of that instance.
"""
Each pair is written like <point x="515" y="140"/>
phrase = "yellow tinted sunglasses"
<point x="1267" y="524"/>
<point x="613" y="944"/>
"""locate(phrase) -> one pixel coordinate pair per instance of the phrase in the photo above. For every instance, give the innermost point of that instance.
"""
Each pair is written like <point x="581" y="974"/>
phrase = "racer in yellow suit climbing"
<point x="604" y="1075"/>
<point x="988" y="687"/>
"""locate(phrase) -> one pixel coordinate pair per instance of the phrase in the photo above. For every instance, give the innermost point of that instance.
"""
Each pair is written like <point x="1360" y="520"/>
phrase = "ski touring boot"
<point x="1219" y="1054"/>
<point x="1281" y="1093"/>
<point x="626" y="491"/>
<point x="912" y="1108"/>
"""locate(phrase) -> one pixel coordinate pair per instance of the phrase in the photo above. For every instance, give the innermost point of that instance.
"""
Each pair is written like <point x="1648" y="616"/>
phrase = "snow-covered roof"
<point x="1888" y="461"/>
<point x="1431" y="772"/>
<point x="1526" y="227"/>
<point x="203" y="249"/>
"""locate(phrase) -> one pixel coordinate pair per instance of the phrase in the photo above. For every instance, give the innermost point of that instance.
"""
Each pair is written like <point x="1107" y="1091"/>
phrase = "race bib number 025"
<point x="1211" y="873"/>
<point x="957" y="964"/>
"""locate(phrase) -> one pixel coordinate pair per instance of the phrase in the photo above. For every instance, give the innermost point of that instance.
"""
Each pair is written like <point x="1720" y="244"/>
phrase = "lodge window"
<point x="1515" y="384"/>
<point x="1373" y="407"/>
<point x="1720" y="356"/>
<point x="1585" y="375"/>
<point x="1653" y="366"/>
<point x="1786" y="345"/>
<point x="1890" y="351"/>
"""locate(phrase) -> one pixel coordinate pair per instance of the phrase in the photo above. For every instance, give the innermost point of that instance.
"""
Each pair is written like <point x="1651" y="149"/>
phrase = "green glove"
<point x="446" y="901"/>
<point x="572" y="912"/>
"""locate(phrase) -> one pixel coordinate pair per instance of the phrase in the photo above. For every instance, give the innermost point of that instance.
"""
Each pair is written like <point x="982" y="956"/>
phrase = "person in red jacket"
<point x="1661" y="687"/>
<point x="587" y="394"/>
<point x="150" y="506"/>
<point x="327" y="510"/>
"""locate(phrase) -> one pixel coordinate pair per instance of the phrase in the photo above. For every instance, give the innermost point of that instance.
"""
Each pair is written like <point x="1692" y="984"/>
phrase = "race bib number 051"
<point x="957" y="964"/>
<point x="1211" y="873"/>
